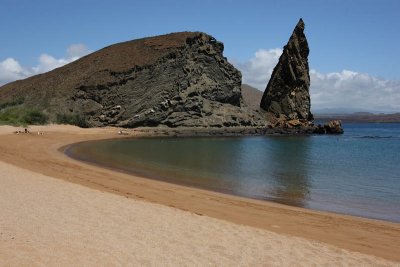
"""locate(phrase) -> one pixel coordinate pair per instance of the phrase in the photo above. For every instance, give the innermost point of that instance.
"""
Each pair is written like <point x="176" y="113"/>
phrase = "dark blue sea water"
<point x="356" y="173"/>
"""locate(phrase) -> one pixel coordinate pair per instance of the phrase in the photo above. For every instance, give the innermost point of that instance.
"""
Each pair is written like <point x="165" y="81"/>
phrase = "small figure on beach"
<point x="123" y="132"/>
<point x="22" y="132"/>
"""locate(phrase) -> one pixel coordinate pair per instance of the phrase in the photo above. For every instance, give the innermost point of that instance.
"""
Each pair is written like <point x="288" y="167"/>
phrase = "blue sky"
<point x="360" y="37"/>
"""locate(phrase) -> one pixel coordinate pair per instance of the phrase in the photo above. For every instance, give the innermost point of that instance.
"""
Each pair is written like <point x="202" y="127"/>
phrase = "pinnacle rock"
<point x="287" y="92"/>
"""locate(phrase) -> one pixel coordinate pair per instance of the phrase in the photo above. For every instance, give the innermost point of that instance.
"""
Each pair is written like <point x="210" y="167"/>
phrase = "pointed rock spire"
<point x="287" y="91"/>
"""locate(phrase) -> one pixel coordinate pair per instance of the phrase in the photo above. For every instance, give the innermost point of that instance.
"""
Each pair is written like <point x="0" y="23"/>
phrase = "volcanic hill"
<point x="178" y="79"/>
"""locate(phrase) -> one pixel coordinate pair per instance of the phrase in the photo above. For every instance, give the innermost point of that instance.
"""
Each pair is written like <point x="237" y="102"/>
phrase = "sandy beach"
<point x="58" y="211"/>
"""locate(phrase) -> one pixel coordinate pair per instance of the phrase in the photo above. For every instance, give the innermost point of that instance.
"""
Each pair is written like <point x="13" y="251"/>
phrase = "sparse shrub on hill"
<point x="21" y="116"/>
<point x="35" y="117"/>
<point x="72" y="119"/>
<point x="14" y="102"/>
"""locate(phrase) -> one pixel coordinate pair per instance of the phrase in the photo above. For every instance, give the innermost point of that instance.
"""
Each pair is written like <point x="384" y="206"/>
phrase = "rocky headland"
<point x="178" y="80"/>
<point x="287" y="94"/>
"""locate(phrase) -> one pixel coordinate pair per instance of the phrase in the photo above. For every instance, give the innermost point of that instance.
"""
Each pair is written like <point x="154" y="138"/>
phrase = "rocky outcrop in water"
<point x="332" y="127"/>
<point x="287" y="92"/>
<point x="179" y="79"/>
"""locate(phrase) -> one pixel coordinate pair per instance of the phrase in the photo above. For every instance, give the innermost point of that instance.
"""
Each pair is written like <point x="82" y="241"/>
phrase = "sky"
<point x="354" y="58"/>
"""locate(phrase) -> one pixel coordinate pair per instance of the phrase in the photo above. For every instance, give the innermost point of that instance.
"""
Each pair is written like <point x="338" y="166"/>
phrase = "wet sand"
<point x="46" y="220"/>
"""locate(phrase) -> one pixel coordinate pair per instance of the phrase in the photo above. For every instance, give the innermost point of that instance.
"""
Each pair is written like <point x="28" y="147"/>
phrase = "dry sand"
<point x="47" y="221"/>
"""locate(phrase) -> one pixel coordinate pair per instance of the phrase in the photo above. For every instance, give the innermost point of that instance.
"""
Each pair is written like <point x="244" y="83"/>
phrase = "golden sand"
<point x="120" y="219"/>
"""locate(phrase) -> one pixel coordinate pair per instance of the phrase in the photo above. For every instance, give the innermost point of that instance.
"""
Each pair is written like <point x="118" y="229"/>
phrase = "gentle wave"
<point x="375" y="137"/>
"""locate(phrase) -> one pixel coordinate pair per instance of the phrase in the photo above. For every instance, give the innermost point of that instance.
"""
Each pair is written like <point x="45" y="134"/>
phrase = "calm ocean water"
<point x="356" y="173"/>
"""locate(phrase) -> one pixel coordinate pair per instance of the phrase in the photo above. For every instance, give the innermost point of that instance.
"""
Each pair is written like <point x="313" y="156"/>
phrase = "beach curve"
<point x="39" y="155"/>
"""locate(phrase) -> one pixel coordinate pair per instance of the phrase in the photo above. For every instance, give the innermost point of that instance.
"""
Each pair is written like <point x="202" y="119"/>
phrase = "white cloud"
<point x="257" y="71"/>
<point x="76" y="51"/>
<point x="353" y="90"/>
<point x="336" y="90"/>
<point x="47" y="63"/>
<point x="11" y="69"/>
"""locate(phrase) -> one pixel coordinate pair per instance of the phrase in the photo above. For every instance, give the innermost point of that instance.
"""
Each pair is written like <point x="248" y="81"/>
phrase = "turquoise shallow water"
<point x="357" y="173"/>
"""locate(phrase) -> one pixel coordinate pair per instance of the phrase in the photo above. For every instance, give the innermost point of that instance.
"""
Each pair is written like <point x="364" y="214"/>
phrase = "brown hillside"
<point x="178" y="79"/>
<point x="90" y="69"/>
<point x="251" y="96"/>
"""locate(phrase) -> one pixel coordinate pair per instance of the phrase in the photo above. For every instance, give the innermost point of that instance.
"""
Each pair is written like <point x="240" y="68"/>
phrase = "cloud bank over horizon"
<point x="343" y="90"/>
<point x="346" y="90"/>
<point x="11" y="69"/>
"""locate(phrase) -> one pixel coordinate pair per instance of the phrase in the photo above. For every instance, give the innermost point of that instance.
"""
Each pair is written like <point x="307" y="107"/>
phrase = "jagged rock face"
<point x="181" y="89"/>
<point x="287" y="92"/>
<point x="179" y="79"/>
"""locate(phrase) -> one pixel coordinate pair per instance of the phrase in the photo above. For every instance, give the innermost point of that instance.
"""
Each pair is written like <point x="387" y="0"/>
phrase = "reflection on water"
<point x="253" y="167"/>
<point x="345" y="174"/>
<point x="290" y="170"/>
<point x="268" y="170"/>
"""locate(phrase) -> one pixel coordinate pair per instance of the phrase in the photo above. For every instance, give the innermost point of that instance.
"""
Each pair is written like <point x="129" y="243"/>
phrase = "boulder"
<point x="334" y="127"/>
<point x="295" y="123"/>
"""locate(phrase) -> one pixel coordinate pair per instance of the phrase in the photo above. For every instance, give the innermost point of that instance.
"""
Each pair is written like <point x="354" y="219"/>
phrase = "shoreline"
<point x="40" y="154"/>
<point x="156" y="176"/>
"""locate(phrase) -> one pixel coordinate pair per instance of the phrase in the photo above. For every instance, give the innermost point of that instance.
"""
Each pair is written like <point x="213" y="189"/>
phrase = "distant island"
<point x="174" y="80"/>
<point x="251" y="97"/>
<point x="361" y="117"/>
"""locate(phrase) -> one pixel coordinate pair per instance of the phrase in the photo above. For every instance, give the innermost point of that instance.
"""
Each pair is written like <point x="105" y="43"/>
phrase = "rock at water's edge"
<point x="332" y="127"/>
<point x="287" y="92"/>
